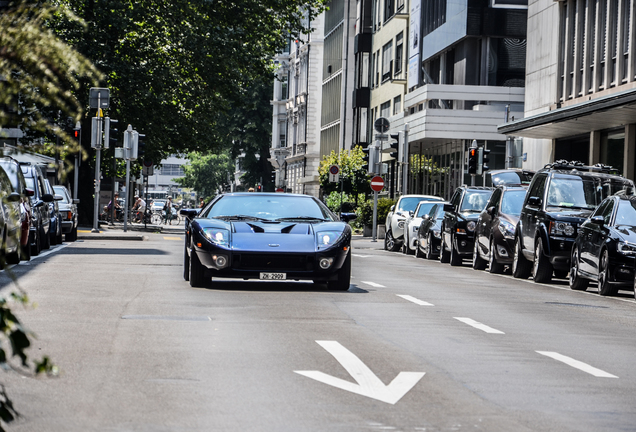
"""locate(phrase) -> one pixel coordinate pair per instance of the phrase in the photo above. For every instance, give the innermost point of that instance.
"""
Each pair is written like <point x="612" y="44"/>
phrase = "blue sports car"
<point x="267" y="236"/>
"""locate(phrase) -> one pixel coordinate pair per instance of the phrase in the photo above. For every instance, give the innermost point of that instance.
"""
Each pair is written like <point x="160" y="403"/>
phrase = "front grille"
<point x="269" y="262"/>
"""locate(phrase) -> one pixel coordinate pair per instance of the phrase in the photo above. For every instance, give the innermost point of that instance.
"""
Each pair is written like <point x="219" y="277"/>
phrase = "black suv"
<point x="41" y="213"/>
<point x="560" y="198"/>
<point x="458" y="226"/>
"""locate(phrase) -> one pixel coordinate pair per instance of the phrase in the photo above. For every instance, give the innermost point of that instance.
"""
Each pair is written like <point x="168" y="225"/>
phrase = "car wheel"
<point x="186" y="264"/>
<point x="478" y="262"/>
<point x="429" y="248"/>
<point x="521" y="267"/>
<point x="444" y="255"/>
<point x="46" y="240"/>
<point x="14" y="258"/>
<point x="576" y="281"/>
<point x="52" y="237"/>
<point x="344" y="276"/>
<point x="197" y="271"/>
<point x="26" y="251"/>
<point x="59" y="235"/>
<point x="604" y="287"/>
<point x="155" y="219"/>
<point x="455" y="259"/>
<point x="37" y="246"/>
<point x="494" y="266"/>
<point x="72" y="236"/>
<point x="409" y="251"/>
<point x="418" y="251"/>
<point x="542" y="269"/>
<point x="389" y="242"/>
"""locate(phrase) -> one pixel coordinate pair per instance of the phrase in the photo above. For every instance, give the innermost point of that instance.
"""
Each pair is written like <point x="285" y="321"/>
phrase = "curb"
<point x="99" y="236"/>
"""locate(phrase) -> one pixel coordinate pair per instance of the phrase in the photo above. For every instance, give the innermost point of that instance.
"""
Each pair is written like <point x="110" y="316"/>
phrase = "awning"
<point x="606" y="112"/>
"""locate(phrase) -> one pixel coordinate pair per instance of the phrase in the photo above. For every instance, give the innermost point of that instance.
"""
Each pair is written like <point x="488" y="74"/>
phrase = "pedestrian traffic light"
<point x="395" y="146"/>
<point x="141" y="146"/>
<point x="76" y="134"/>
<point x="472" y="160"/>
<point x="483" y="160"/>
<point x="259" y="188"/>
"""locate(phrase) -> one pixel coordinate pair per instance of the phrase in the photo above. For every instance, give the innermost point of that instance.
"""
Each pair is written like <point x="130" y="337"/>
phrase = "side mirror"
<point x="491" y="210"/>
<point x="47" y="198"/>
<point x="599" y="220"/>
<point x="411" y="213"/>
<point x="189" y="213"/>
<point x="449" y="208"/>
<point x="58" y="198"/>
<point x="76" y="201"/>
<point x="14" y="197"/>
<point x="392" y="207"/>
<point x="38" y="204"/>
<point x="347" y="217"/>
<point x="426" y="217"/>
<point x="534" y="201"/>
<point x="29" y="192"/>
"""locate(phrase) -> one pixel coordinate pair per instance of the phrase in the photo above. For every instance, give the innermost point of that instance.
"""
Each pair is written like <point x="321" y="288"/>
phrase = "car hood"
<point x="565" y="213"/>
<point x="509" y="218"/>
<point x="471" y="216"/>
<point x="626" y="233"/>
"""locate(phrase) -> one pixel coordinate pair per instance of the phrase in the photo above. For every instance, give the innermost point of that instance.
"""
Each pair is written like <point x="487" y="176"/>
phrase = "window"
<point x="397" y="105"/>
<point x="171" y="169"/>
<point x="387" y="61"/>
<point x="373" y="69"/>
<point x="399" y="49"/>
<point x="399" y="5"/>
<point x="377" y="68"/>
<point x="389" y="9"/>
<point x="385" y="109"/>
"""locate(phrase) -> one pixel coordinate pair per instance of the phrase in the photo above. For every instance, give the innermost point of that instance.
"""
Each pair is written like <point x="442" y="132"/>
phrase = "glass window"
<point x="385" y="109"/>
<point x="424" y="209"/>
<point x="494" y="199"/>
<point x="538" y="187"/>
<point x="269" y="207"/>
<point x="475" y="201"/>
<point x="626" y="213"/>
<point x="512" y="202"/>
<point x="399" y="53"/>
<point x="607" y="211"/>
<point x="408" y="204"/>
<point x="397" y="105"/>
<point x="387" y="60"/>
<point x="573" y="193"/>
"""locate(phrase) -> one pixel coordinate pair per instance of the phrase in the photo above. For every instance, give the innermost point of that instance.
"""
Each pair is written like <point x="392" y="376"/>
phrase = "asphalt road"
<point x="412" y="346"/>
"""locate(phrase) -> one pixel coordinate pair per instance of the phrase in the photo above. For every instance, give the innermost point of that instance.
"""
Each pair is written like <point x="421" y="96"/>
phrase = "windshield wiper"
<point x="240" y="217"/>
<point x="304" y="218"/>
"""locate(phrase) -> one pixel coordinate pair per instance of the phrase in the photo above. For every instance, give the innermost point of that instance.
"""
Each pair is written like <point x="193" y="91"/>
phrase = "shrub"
<point x="365" y="211"/>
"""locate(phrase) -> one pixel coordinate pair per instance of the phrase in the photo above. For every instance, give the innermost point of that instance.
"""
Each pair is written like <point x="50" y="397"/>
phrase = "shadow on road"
<point x="110" y="251"/>
<point x="288" y="286"/>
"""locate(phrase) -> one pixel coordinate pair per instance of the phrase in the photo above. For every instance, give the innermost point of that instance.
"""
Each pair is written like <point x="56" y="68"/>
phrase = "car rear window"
<point x="424" y="209"/>
<point x="475" y="201"/>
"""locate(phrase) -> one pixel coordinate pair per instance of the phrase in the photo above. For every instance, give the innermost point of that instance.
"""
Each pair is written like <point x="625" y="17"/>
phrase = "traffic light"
<point x="76" y="134"/>
<point x="395" y="146"/>
<point x="107" y="132"/>
<point x="259" y="188"/>
<point x="472" y="160"/>
<point x="141" y="146"/>
<point x="369" y="158"/>
<point x="483" y="160"/>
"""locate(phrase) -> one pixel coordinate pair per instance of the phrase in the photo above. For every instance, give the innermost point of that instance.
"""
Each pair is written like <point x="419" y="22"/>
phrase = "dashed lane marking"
<point x="577" y="364"/>
<point x="172" y="238"/>
<point x="373" y="284"/>
<point x="361" y="256"/>
<point x="414" y="300"/>
<point x="478" y="325"/>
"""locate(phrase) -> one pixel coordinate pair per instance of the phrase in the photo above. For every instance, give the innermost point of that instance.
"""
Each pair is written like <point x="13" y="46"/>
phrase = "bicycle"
<point x="173" y="218"/>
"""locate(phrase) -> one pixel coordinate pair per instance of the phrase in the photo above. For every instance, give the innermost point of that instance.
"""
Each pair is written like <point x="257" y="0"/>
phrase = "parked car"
<point x="395" y="220"/>
<point x="157" y="205"/>
<point x="560" y="198"/>
<point x="429" y="235"/>
<point x="55" y="232"/>
<point x="39" y="238"/>
<point x="460" y="220"/>
<point x="28" y="222"/>
<point x="10" y="222"/>
<point x="495" y="230"/>
<point x="267" y="236"/>
<point x="413" y="223"/>
<point x="605" y="247"/>
<point x="509" y="176"/>
<point x="68" y="213"/>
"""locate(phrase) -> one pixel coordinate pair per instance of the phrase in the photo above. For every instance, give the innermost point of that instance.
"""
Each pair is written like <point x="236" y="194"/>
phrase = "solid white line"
<point x="479" y="325"/>
<point x="373" y="284"/>
<point x="360" y="256"/>
<point x="414" y="300"/>
<point x="577" y="364"/>
<point x="48" y="252"/>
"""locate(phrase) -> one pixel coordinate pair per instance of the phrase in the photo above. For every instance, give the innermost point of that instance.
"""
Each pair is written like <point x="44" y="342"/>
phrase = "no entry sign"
<point x="377" y="183"/>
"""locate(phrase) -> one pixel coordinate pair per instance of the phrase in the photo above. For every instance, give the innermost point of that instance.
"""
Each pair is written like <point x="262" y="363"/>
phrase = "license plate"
<point x="273" y="276"/>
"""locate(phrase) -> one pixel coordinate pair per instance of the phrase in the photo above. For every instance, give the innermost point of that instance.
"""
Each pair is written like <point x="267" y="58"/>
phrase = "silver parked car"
<point x="396" y="219"/>
<point x="68" y="212"/>
<point x="412" y="225"/>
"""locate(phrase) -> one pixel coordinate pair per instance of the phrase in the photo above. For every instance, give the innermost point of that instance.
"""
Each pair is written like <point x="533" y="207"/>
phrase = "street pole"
<point x="405" y="166"/>
<point x="375" y="217"/>
<point x="127" y="144"/>
<point x="98" y="150"/>
<point x="78" y="125"/>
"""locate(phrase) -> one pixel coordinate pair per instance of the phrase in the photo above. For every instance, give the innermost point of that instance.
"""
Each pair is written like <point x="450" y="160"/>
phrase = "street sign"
<point x="280" y="190"/>
<point x="148" y="170"/>
<point x="148" y="163"/>
<point x="377" y="184"/>
<point x="334" y="173"/>
<point x="382" y="125"/>
<point x="99" y="97"/>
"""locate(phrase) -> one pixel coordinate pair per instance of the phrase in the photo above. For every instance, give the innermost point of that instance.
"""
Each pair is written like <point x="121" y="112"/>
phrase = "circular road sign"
<point x="377" y="183"/>
<point x="147" y="163"/>
<point x="334" y="169"/>
<point x="381" y="125"/>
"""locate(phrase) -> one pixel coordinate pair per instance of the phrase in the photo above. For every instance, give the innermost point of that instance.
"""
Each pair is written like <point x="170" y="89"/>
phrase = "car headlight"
<point x="470" y="226"/>
<point x="437" y="234"/>
<point x="507" y="229"/>
<point x="562" y="228"/>
<point x="626" y="248"/>
<point x="400" y="223"/>
<point x="325" y="239"/>
<point x="218" y="236"/>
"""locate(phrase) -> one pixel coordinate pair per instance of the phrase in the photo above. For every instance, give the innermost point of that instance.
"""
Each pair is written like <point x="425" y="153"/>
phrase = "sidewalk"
<point x="359" y="242"/>
<point x="133" y="232"/>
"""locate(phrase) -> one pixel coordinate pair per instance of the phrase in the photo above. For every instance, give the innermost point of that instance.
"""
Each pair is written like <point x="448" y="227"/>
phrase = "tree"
<point x="207" y="173"/>
<point x="355" y="178"/>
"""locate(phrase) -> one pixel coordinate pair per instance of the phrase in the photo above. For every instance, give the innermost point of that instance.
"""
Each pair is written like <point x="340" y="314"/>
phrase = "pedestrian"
<point x="167" y="208"/>
<point x="201" y="203"/>
<point x="250" y="190"/>
<point x="139" y="207"/>
<point x="117" y="207"/>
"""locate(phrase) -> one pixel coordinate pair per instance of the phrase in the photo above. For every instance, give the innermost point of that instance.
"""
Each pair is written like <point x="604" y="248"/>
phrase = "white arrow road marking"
<point x="414" y="300"/>
<point x="373" y="284"/>
<point x="577" y="364"/>
<point x="478" y="325"/>
<point x="368" y="384"/>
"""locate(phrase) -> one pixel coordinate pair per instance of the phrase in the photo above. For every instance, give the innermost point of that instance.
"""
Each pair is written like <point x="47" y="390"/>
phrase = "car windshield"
<point x="475" y="201"/>
<point x="425" y="208"/>
<point x="269" y="207"/>
<point x="626" y="213"/>
<point x="409" y="203"/>
<point x="574" y="193"/>
<point x="512" y="202"/>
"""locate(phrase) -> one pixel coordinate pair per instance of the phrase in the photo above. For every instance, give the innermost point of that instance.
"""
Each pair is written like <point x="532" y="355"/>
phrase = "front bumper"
<point x="560" y="251"/>
<point x="621" y="269"/>
<point x="464" y="244"/>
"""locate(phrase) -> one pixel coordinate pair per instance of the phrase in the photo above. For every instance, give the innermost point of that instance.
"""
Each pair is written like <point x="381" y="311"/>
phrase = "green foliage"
<point x="335" y="200"/>
<point x="207" y="173"/>
<point x="355" y="178"/>
<point x="384" y="207"/>
<point x="365" y="211"/>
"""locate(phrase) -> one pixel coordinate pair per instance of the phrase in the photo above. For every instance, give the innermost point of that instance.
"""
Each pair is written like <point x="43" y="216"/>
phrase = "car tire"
<point x="429" y="248"/>
<point x="344" y="276"/>
<point x="37" y="246"/>
<point x="197" y="271"/>
<point x="478" y="262"/>
<point x="186" y="264"/>
<point x="15" y="257"/>
<point x="409" y="251"/>
<point x="52" y="237"/>
<point x="494" y="266"/>
<point x="455" y="259"/>
<point x="155" y="219"/>
<point x="604" y="286"/>
<point x="390" y="243"/>
<point x="60" y="235"/>
<point x="26" y="252"/>
<point x="46" y="240"/>
<point x="72" y="236"/>
<point x="521" y="267"/>
<point x="577" y="283"/>
<point x="418" y="251"/>
<point x="541" y="269"/>
<point x="444" y="255"/>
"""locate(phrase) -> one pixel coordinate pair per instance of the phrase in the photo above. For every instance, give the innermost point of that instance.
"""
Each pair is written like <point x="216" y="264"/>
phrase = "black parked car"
<point x="429" y="234"/>
<point x="34" y="178"/>
<point x="509" y="176"/>
<point x="458" y="226"/>
<point x="495" y="231"/>
<point x="605" y="248"/>
<point x="267" y="236"/>
<point x="55" y="233"/>
<point x="560" y="198"/>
